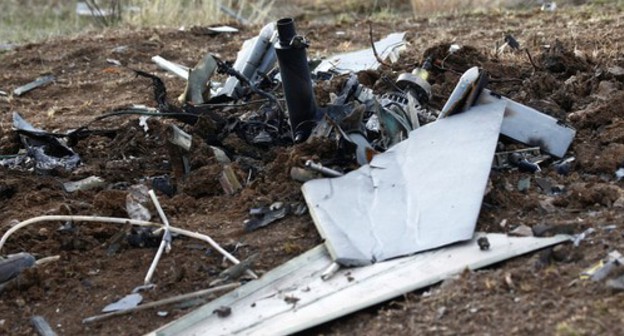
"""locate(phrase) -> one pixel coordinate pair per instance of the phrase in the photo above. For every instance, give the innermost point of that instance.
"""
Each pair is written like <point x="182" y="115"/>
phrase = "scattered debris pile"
<point x="393" y="181"/>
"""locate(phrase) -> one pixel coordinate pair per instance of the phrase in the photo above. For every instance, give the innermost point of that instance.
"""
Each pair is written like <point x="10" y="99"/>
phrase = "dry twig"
<point x="372" y="42"/>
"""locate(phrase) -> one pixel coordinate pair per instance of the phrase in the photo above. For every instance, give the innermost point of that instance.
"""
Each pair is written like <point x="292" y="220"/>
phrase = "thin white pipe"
<point x="117" y="220"/>
<point x="161" y="213"/>
<point x="152" y="268"/>
<point x="164" y="243"/>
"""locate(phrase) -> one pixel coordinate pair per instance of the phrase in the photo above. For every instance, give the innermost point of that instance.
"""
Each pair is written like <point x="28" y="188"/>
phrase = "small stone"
<point x="524" y="184"/>
<point x="547" y="205"/>
<point x="617" y="72"/>
<point x="302" y="175"/>
<point x="440" y="312"/>
<point x="566" y="253"/>
<point x="617" y="283"/>
<point x="545" y="185"/>
<point x="20" y="302"/>
<point x="541" y="230"/>
<point x="162" y="313"/>
<point x="605" y="90"/>
<point x="120" y="49"/>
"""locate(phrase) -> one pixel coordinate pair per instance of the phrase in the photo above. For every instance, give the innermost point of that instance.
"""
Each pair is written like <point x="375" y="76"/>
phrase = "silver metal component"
<point x="462" y="90"/>
<point x="502" y="160"/>
<point x="42" y="326"/>
<point x="88" y="183"/>
<point x="180" y="145"/>
<point x="411" y="81"/>
<point x="176" y="69"/>
<point x="198" y="78"/>
<point x="41" y="81"/>
<point x="256" y="57"/>
<point x="363" y="94"/>
<point x="395" y="117"/>
<point x="180" y="138"/>
<point x="330" y="271"/>
<point x="322" y="169"/>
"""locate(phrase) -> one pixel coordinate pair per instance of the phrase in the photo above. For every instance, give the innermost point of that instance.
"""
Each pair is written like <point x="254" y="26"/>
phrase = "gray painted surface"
<point x="293" y="297"/>
<point x="423" y="193"/>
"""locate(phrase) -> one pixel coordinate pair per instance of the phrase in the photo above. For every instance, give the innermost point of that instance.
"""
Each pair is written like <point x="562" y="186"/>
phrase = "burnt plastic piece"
<point x="523" y="164"/>
<point x="511" y="42"/>
<point x="164" y="184"/>
<point x="296" y="81"/>
<point x="143" y="237"/>
<point x="14" y="264"/>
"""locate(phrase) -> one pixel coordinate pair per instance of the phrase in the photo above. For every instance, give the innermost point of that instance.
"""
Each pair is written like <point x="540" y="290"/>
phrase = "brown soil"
<point x="536" y="294"/>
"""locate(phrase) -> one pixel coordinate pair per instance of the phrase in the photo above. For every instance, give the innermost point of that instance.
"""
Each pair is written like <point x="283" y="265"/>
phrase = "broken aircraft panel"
<point x="531" y="127"/>
<point x="48" y="151"/>
<point x="423" y="193"/>
<point x="294" y="297"/>
<point x="521" y="123"/>
<point x="355" y="61"/>
<point x="255" y="59"/>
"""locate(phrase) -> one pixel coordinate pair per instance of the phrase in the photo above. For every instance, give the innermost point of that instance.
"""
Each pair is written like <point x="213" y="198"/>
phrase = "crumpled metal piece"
<point x="356" y="61"/>
<point x="45" y="152"/>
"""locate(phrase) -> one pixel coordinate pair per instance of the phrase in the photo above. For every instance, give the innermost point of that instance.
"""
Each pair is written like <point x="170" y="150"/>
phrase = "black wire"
<point x="258" y="101"/>
<point x="233" y="72"/>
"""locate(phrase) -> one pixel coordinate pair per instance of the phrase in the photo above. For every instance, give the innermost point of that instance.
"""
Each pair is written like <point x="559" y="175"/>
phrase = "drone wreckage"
<point x="407" y="215"/>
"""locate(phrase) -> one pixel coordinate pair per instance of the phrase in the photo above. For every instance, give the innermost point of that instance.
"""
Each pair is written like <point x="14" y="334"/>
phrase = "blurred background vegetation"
<point x="30" y="20"/>
<point x="34" y="20"/>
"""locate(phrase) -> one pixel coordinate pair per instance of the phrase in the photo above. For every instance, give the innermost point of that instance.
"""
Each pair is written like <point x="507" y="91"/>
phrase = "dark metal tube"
<point x="285" y="31"/>
<point x="296" y="82"/>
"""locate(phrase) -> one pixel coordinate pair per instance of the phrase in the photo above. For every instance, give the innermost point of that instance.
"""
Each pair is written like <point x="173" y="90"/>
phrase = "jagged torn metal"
<point x="423" y="193"/>
<point x="388" y="47"/>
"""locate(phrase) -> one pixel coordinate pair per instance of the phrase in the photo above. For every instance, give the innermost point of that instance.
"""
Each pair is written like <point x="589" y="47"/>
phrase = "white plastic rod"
<point x="122" y="221"/>
<point x="165" y="243"/>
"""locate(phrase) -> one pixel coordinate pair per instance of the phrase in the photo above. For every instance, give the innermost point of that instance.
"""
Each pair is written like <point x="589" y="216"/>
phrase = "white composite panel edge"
<point x="259" y="308"/>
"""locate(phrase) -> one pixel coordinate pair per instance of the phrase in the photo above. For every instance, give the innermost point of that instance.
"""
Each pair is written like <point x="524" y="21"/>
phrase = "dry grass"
<point x="426" y="7"/>
<point x="33" y="20"/>
<point x="37" y="19"/>
<point x="197" y="12"/>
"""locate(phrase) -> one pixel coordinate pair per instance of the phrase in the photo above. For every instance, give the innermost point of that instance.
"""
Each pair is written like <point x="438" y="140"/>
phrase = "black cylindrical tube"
<point x="296" y="81"/>
<point x="285" y="31"/>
